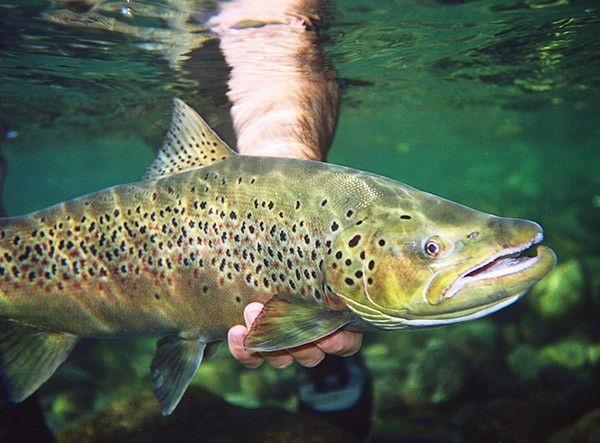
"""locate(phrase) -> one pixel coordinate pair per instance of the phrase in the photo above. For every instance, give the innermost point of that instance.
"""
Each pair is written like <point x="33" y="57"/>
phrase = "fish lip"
<point x="480" y="311"/>
<point x="478" y="272"/>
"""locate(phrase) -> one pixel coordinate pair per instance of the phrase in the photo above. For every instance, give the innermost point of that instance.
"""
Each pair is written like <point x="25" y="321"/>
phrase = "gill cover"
<point x="369" y="268"/>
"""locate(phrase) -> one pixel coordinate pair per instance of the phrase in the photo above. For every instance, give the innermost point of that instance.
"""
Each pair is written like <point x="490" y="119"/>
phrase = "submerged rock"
<point x="23" y="422"/>
<point x="585" y="430"/>
<point x="572" y="353"/>
<point x="525" y="362"/>
<point x="560" y="294"/>
<point x="200" y="417"/>
<point x="501" y="420"/>
<point x="436" y="376"/>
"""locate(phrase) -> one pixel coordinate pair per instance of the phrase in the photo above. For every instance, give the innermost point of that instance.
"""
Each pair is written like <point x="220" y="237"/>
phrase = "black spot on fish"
<point x="348" y="262"/>
<point x="334" y="226"/>
<point x="358" y="274"/>
<point x="25" y="255"/>
<point x="350" y="213"/>
<point x="349" y="281"/>
<point x="405" y="217"/>
<point x="371" y="265"/>
<point x="324" y="202"/>
<point x="338" y="255"/>
<point x="381" y="242"/>
<point x="354" y="241"/>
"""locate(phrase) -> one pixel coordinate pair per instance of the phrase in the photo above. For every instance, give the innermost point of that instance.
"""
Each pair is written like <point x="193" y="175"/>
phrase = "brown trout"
<point x="180" y="253"/>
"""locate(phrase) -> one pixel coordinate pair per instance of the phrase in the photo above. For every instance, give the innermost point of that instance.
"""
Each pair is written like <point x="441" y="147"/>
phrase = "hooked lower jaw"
<point x="503" y="264"/>
<point x="471" y="314"/>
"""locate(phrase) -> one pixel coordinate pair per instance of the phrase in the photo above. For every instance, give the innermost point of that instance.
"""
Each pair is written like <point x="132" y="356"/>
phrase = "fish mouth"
<point x="508" y="262"/>
<point x="507" y="268"/>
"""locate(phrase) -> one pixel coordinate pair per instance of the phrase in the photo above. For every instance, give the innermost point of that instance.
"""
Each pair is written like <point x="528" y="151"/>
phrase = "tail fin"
<point x="29" y="356"/>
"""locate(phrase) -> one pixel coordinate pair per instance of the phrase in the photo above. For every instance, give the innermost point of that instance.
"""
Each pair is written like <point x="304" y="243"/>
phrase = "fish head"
<point x="427" y="261"/>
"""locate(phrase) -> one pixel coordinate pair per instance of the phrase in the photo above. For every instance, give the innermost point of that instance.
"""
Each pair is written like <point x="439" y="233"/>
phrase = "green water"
<point x="494" y="104"/>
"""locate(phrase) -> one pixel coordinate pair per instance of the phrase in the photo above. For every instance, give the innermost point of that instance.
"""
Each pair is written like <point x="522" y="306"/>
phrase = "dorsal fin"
<point x="190" y="143"/>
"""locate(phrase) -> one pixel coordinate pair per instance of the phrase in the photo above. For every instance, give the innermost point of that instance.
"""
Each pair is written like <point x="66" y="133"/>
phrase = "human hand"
<point x="342" y="343"/>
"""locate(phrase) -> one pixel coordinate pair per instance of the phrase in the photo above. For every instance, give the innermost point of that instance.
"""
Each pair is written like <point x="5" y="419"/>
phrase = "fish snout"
<point x="515" y="232"/>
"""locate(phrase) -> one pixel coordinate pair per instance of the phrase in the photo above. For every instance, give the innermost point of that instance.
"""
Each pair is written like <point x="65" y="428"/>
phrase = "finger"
<point x="308" y="355"/>
<point x="278" y="359"/>
<point x="251" y="311"/>
<point x="342" y="343"/>
<point x="235" y="339"/>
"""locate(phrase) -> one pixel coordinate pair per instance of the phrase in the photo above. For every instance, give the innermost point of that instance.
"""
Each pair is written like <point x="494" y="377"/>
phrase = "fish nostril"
<point x="473" y="235"/>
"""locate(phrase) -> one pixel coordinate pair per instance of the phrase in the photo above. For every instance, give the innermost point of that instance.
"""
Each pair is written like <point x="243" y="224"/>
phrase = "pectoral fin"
<point x="29" y="356"/>
<point x="287" y="321"/>
<point x="176" y="361"/>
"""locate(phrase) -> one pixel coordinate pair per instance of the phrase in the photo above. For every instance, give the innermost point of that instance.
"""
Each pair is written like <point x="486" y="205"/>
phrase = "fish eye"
<point x="433" y="248"/>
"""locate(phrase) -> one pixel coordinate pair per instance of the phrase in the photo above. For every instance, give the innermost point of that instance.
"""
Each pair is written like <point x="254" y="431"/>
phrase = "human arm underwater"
<point x="283" y="106"/>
